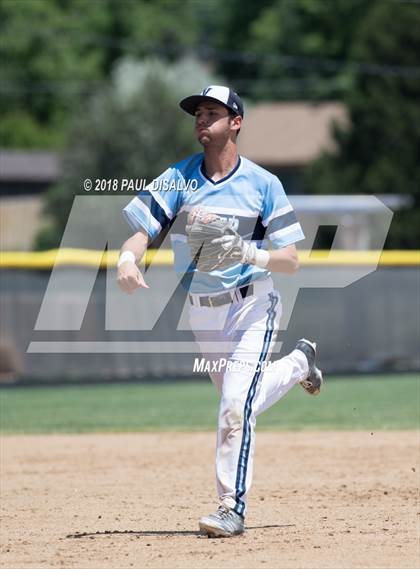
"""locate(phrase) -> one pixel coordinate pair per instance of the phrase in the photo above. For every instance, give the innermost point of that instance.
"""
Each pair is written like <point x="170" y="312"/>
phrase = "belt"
<point x="225" y="298"/>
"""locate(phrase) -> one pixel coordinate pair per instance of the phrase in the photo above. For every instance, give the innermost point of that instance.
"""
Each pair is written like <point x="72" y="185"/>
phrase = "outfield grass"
<point x="374" y="402"/>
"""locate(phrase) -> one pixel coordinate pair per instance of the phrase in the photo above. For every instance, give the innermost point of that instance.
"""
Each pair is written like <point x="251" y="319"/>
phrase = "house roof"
<point x="289" y="134"/>
<point x="28" y="166"/>
<point x="274" y="134"/>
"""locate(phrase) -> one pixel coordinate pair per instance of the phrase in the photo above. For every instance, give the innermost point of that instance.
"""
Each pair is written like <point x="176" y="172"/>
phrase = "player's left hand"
<point x="214" y="243"/>
<point x="239" y="249"/>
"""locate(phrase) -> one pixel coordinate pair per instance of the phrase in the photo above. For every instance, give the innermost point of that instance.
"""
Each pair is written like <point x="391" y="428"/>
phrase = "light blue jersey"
<point x="250" y="198"/>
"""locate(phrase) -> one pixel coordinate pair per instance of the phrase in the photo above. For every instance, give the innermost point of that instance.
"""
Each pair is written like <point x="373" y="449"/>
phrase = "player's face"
<point x="212" y="123"/>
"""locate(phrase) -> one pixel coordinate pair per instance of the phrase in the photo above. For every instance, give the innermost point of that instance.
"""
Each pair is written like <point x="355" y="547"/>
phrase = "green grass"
<point x="374" y="402"/>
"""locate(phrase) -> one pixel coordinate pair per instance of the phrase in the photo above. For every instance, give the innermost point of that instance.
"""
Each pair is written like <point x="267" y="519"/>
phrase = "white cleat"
<point x="313" y="382"/>
<point x="223" y="523"/>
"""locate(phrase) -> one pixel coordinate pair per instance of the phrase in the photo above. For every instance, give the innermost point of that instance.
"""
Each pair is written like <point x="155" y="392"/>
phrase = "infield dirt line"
<point x="319" y="500"/>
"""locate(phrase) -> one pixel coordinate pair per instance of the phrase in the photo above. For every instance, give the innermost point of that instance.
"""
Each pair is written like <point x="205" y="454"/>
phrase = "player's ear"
<point x="236" y="123"/>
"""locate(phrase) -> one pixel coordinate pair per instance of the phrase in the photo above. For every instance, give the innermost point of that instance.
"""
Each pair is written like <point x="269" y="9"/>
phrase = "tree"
<point x="132" y="129"/>
<point x="290" y="49"/>
<point x="380" y="151"/>
<point x="55" y="53"/>
<point x="44" y="61"/>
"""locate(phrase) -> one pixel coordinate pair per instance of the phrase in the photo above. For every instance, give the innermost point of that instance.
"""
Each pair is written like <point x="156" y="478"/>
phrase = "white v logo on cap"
<point x="217" y="93"/>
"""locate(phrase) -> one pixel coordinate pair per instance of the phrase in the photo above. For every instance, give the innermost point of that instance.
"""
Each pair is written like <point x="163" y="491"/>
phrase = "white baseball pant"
<point x="243" y="333"/>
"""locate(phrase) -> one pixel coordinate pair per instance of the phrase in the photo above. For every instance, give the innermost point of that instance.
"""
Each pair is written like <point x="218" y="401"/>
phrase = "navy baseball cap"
<point x="218" y="94"/>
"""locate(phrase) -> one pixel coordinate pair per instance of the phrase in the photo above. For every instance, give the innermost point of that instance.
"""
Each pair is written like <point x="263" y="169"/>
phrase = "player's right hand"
<point x="129" y="278"/>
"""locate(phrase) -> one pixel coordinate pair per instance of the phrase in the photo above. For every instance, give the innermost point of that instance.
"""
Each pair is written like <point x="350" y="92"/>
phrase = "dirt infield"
<point x="319" y="500"/>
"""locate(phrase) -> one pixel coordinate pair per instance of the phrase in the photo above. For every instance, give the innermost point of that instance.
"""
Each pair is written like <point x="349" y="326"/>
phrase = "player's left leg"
<point x="250" y="328"/>
<point x="247" y="390"/>
<point x="278" y="378"/>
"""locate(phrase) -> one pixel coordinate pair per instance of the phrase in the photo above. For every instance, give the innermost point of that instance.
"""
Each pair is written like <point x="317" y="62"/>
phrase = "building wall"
<point x="369" y="326"/>
<point x="20" y="220"/>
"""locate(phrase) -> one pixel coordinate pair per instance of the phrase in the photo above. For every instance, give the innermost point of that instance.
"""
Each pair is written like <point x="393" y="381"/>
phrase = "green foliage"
<point x="132" y="129"/>
<point x="379" y="153"/>
<point x="44" y="59"/>
<point x="57" y="59"/>
<point x="53" y="54"/>
<point x="352" y="403"/>
<point x="296" y="49"/>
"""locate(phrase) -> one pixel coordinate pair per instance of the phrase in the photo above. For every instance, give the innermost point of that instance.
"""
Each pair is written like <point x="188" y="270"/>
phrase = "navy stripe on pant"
<point x="246" y="431"/>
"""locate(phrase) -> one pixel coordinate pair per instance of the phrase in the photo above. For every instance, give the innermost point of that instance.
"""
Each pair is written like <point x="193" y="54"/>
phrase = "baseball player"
<point x="231" y="298"/>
